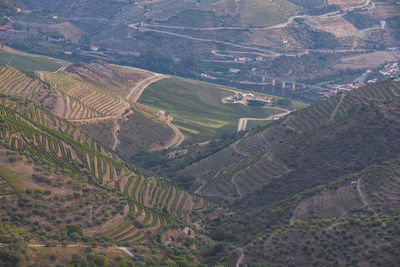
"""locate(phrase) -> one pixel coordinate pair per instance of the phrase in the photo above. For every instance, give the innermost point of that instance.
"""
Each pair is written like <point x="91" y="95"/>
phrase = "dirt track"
<point x="136" y="92"/>
<point x="243" y="121"/>
<point x="178" y="137"/>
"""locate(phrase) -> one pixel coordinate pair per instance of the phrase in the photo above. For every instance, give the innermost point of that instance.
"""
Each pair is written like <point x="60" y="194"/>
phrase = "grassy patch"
<point x="256" y="12"/>
<point x="29" y="63"/>
<point x="197" y="108"/>
<point x="11" y="177"/>
<point x="251" y="124"/>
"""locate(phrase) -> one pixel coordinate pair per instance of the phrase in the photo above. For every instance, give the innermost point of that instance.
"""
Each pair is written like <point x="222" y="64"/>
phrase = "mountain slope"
<point x="94" y="97"/>
<point x="244" y="167"/>
<point x="37" y="139"/>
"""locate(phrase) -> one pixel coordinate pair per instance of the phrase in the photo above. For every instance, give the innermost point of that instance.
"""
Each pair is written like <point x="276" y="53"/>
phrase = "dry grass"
<point x="41" y="255"/>
<point x="336" y="25"/>
<point x="256" y="12"/>
<point x="69" y="31"/>
<point x="346" y="3"/>
<point x="371" y="60"/>
<point x="385" y="11"/>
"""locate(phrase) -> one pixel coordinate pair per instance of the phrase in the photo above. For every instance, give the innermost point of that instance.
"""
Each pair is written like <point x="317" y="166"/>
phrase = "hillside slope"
<point x="94" y="97"/>
<point x="241" y="167"/>
<point x="43" y="150"/>
<point x="336" y="176"/>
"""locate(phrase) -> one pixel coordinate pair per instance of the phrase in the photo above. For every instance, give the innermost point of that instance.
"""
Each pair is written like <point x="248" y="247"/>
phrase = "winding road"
<point x="243" y="121"/>
<point x="151" y="28"/>
<point x="136" y="92"/>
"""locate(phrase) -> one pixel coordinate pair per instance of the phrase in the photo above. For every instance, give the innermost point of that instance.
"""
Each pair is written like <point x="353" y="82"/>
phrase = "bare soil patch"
<point x="385" y="11"/>
<point x="346" y="3"/>
<point x="336" y="25"/>
<point x="370" y="60"/>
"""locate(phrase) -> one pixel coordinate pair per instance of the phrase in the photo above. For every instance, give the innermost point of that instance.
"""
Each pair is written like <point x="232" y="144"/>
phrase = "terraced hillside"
<point x="253" y="171"/>
<point x="248" y="13"/>
<point x="111" y="78"/>
<point x="84" y="101"/>
<point x="356" y="213"/>
<point x="44" y="137"/>
<point x="28" y="85"/>
<point x="95" y="95"/>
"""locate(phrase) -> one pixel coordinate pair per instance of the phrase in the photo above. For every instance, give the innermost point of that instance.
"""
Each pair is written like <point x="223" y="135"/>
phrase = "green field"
<point x="28" y="62"/>
<point x="251" y="124"/>
<point x="309" y="3"/>
<point x="197" y="108"/>
<point x="256" y="12"/>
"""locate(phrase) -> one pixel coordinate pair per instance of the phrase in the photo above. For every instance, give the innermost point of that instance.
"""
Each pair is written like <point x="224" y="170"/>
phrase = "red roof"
<point x="263" y="97"/>
<point x="5" y="27"/>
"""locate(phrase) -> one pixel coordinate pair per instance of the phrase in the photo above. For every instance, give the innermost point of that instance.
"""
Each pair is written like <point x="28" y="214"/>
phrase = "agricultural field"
<point x="336" y="25"/>
<point x="256" y="12"/>
<point x="197" y="108"/>
<point x="345" y="3"/>
<point x="329" y="204"/>
<point x="354" y="241"/>
<point x="114" y="79"/>
<point x="386" y="11"/>
<point x="83" y="100"/>
<point x="309" y="3"/>
<point x="29" y="131"/>
<point x="255" y="123"/>
<point x="250" y="172"/>
<point x="370" y="60"/>
<point x="69" y="31"/>
<point x="45" y="256"/>
<point x="31" y="63"/>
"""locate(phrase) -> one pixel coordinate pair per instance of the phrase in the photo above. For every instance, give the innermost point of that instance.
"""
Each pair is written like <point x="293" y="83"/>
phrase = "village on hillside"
<point x="387" y="71"/>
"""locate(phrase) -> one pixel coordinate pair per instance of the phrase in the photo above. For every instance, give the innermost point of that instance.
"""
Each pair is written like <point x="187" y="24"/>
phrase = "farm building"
<point x="263" y="99"/>
<point x="5" y="27"/>
<point x="390" y="69"/>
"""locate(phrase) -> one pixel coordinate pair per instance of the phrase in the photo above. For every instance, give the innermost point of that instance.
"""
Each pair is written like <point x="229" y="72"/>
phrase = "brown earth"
<point x="371" y="60"/>
<point x="336" y="25"/>
<point x="345" y="3"/>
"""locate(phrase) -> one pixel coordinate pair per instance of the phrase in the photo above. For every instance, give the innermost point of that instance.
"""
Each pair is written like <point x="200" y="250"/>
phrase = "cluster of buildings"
<point x="390" y="69"/>
<point x="345" y="87"/>
<point x="340" y="88"/>
<point x="244" y="98"/>
<point x="243" y="59"/>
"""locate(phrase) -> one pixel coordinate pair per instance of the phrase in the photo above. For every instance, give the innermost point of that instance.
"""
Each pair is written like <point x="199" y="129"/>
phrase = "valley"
<point x="259" y="40"/>
<point x="199" y="133"/>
